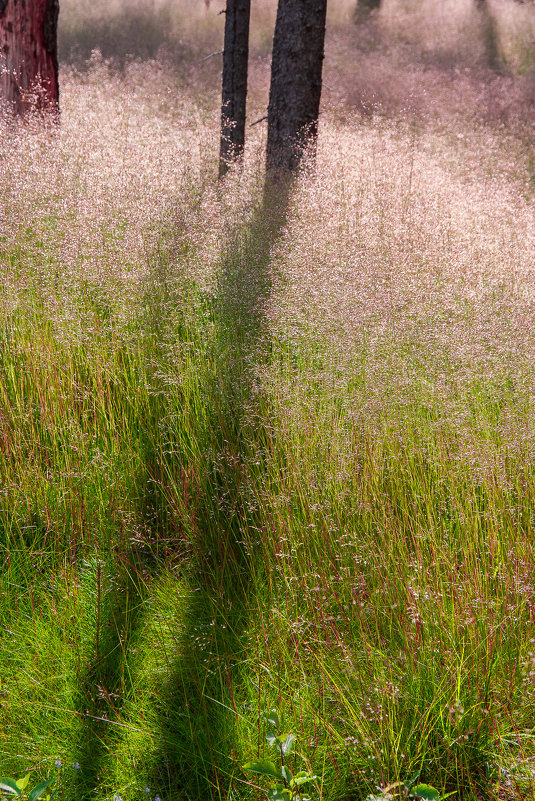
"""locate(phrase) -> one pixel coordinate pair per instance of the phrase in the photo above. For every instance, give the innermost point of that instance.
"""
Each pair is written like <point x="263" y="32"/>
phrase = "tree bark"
<point x="29" y="56"/>
<point x="234" y="95"/>
<point x="295" y="91"/>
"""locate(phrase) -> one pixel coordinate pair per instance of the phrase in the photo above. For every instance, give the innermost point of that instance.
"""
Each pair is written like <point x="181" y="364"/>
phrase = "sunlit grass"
<point x="265" y="452"/>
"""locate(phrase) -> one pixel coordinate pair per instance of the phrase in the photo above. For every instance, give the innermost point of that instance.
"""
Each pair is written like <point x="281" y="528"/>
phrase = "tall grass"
<point x="270" y="451"/>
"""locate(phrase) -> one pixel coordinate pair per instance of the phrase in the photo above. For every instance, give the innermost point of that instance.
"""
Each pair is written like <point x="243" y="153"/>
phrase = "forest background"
<point x="271" y="453"/>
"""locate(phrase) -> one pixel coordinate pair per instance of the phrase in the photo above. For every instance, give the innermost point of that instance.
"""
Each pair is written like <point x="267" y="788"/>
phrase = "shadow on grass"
<point x="199" y="706"/>
<point x="120" y="582"/>
<point x="139" y="31"/>
<point x="196" y="711"/>
<point x="117" y="36"/>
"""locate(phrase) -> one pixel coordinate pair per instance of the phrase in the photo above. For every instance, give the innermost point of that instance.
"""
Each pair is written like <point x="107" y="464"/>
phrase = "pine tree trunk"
<point x="29" y="55"/>
<point x="295" y="91"/>
<point x="234" y="96"/>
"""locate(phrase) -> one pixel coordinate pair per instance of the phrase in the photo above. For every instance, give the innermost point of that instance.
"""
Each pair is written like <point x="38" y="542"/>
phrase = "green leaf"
<point x="10" y="786"/>
<point x="262" y="766"/>
<point x="287" y="773"/>
<point x="287" y="743"/>
<point x="280" y="794"/>
<point x="414" y="778"/>
<point x="376" y="798"/>
<point x="272" y="738"/>
<point x="423" y="791"/>
<point x="23" y="783"/>
<point x="272" y="719"/>
<point x="39" y="789"/>
<point x="302" y="778"/>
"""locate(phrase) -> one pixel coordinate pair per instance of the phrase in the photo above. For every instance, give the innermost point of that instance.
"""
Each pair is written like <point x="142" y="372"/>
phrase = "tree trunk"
<point x="234" y="96"/>
<point x="29" y="55"/>
<point x="295" y="91"/>
<point x="365" y="8"/>
<point x="490" y="34"/>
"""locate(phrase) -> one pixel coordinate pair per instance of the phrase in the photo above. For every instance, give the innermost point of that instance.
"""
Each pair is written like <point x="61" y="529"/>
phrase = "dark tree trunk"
<point x="295" y="92"/>
<point x="29" y="55"/>
<point x="365" y="8"/>
<point x="235" y="62"/>
<point x="490" y="34"/>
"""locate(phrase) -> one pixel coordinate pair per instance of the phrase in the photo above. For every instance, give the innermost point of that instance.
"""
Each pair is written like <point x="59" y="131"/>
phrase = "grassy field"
<point x="271" y="452"/>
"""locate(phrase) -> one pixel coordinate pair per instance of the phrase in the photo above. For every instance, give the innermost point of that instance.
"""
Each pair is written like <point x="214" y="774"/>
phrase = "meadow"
<point x="271" y="451"/>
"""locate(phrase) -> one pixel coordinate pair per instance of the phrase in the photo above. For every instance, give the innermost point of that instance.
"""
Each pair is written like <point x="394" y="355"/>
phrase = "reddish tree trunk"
<point x="29" y="55"/>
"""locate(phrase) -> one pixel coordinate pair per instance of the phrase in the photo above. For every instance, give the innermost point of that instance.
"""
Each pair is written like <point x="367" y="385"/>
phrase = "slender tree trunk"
<point x="490" y="34"/>
<point x="365" y="8"/>
<point x="295" y="92"/>
<point x="29" y="55"/>
<point x="234" y="96"/>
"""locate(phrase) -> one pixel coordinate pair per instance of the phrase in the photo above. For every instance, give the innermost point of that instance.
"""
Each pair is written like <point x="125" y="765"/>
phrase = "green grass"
<point x="182" y="553"/>
<point x="265" y="452"/>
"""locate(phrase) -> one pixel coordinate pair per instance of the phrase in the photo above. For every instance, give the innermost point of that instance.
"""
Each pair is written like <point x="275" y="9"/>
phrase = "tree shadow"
<point x="114" y="29"/>
<point x="198" y="708"/>
<point x="116" y="36"/>
<point x="120" y="582"/>
<point x="121" y="577"/>
<point x="105" y="680"/>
